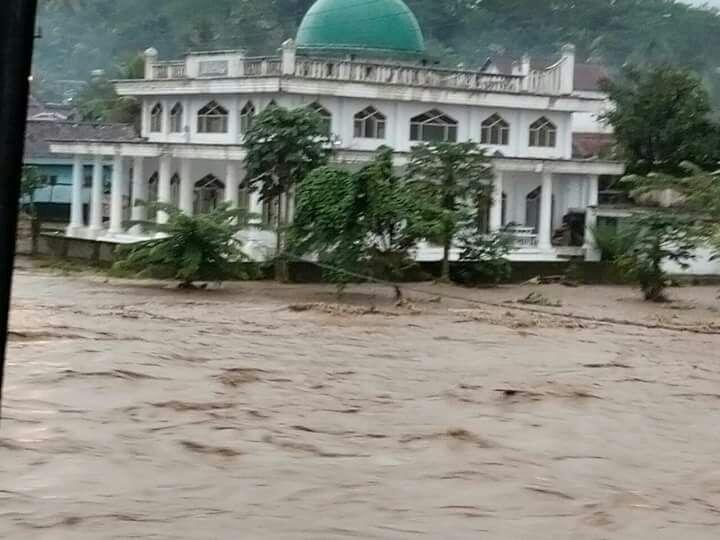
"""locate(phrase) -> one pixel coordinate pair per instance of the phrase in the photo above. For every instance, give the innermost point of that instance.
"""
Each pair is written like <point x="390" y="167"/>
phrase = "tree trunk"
<point x="445" y="274"/>
<point x="281" y="267"/>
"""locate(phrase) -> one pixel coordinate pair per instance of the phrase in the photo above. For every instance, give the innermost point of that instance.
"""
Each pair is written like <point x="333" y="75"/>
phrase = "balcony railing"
<point x="521" y="237"/>
<point x="545" y="81"/>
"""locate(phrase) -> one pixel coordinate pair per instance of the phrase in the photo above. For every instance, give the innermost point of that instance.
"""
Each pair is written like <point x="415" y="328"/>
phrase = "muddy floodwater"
<point x="273" y="412"/>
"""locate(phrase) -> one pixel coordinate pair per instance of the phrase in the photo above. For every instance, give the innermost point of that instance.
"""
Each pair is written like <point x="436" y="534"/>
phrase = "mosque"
<point x="362" y="66"/>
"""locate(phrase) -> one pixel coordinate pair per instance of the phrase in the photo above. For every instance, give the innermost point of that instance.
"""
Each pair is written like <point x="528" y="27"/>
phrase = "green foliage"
<point x="30" y="181"/>
<point x="485" y="259"/>
<point x="661" y="118"/>
<point x="283" y="147"/>
<point x="80" y="35"/>
<point x="654" y="239"/>
<point x="453" y="183"/>
<point x="611" y="243"/>
<point x="99" y="102"/>
<point x="192" y="248"/>
<point x="356" y="223"/>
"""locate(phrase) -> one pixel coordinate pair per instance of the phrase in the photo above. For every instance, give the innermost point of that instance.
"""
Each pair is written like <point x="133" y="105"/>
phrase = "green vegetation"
<point x="661" y="118"/>
<point x="453" y="183"/>
<point x="657" y="238"/>
<point x="81" y="35"/>
<point x="197" y="248"/>
<point x="358" y="223"/>
<point x="283" y="147"/>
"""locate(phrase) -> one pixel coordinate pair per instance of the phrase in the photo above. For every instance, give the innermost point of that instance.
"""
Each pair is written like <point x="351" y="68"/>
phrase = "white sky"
<point x="714" y="3"/>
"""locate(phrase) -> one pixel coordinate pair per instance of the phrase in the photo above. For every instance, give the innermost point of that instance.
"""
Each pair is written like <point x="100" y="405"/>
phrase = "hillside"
<point x="81" y="35"/>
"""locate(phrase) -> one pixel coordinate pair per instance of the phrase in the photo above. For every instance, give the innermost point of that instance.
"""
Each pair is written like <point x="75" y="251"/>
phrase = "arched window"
<point x="176" y="118"/>
<point x="152" y="194"/>
<point x="175" y="190"/>
<point x="370" y="124"/>
<point x="433" y="126"/>
<point x="209" y="193"/>
<point x="156" y="115"/>
<point x="543" y="133"/>
<point x="495" y="131"/>
<point x="325" y="118"/>
<point x="247" y="115"/>
<point x="213" y="118"/>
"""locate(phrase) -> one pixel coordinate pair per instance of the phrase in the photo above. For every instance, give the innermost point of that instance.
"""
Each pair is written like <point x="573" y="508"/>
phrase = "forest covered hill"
<point x="81" y="35"/>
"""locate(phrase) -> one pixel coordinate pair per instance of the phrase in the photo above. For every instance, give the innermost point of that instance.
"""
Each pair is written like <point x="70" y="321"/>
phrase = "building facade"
<point x="362" y="68"/>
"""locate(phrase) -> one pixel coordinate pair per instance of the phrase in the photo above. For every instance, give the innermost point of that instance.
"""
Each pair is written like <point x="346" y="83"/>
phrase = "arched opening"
<point x="495" y="131"/>
<point x="532" y="209"/>
<point x="370" y="124"/>
<point x="247" y="116"/>
<point x="156" y="114"/>
<point x="433" y="126"/>
<point x="176" y="119"/>
<point x="152" y="194"/>
<point x="209" y="194"/>
<point x="213" y="118"/>
<point x="325" y="118"/>
<point x="543" y="133"/>
<point x="175" y="190"/>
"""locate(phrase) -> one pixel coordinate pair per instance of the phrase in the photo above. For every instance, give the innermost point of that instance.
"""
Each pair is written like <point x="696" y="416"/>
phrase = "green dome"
<point x="387" y="27"/>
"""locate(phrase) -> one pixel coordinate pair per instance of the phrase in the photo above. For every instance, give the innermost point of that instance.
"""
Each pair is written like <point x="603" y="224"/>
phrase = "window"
<point x="247" y="115"/>
<point x="175" y="190"/>
<point x="370" y="124"/>
<point x="495" y="131"/>
<point x="433" y="126"/>
<point x="325" y="118"/>
<point x="156" y="115"/>
<point x="209" y="194"/>
<point x="213" y="118"/>
<point x="176" y="119"/>
<point x="543" y="133"/>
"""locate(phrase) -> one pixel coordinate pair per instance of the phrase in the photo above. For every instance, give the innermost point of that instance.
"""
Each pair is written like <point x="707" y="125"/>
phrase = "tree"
<point x="30" y="182"/>
<point x="696" y="192"/>
<point x="99" y="102"/>
<point x="203" y="247"/>
<point x="656" y="239"/>
<point x="661" y="118"/>
<point x="485" y="258"/>
<point x="283" y="147"/>
<point x="454" y="184"/>
<point x="357" y="223"/>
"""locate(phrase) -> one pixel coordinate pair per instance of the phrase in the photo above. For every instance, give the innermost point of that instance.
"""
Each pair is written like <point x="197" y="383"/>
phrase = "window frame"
<point x="156" y="118"/>
<point x="247" y="117"/>
<point x="420" y="123"/>
<point x="369" y="123"/>
<point x="495" y="131"/>
<point x="207" y="117"/>
<point x="325" y="117"/>
<point x="542" y="133"/>
<point x="176" y="118"/>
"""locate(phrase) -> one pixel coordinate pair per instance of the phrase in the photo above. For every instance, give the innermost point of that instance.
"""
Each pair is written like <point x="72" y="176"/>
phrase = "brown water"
<point x="134" y="412"/>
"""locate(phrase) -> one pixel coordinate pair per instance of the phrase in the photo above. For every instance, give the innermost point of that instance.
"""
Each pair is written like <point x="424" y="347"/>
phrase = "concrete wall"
<point x="398" y="113"/>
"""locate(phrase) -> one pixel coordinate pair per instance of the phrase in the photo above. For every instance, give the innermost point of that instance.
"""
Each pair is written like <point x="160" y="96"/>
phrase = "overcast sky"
<point x="714" y="3"/>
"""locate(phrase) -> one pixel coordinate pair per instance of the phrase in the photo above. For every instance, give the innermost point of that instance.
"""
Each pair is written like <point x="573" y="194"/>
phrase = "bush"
<point x="486" y="260"/>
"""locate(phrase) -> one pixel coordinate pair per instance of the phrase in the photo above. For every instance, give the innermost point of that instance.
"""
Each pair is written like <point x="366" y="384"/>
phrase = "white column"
<point x="232" y="191"/>
<point x="76" y="205"/>
<point x="140" y="193"/>
<point x="545" y="232"/>
<point x="116" y="195"/>
<point x="187" y="188"/>
<point x="164" y="189"/>
<point x="497" y="199"/>
<point x="96" y="197"/>
<point x="592" y="253"/>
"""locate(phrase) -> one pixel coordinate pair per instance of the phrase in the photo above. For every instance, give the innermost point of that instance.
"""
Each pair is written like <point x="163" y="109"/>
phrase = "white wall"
<point x="398" y="114"/>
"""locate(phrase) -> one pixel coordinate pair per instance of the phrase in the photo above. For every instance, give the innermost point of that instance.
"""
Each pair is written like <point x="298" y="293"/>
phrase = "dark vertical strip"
<point x="17" y="24"/>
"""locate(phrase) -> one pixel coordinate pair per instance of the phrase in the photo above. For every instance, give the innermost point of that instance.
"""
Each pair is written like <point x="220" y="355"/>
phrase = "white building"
<point x="362" y="67"/>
